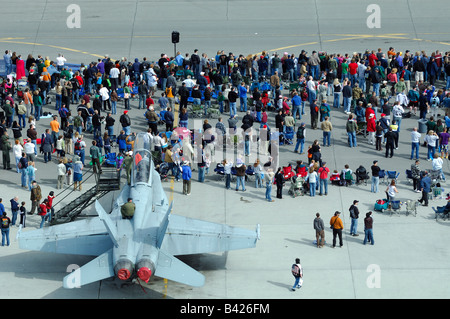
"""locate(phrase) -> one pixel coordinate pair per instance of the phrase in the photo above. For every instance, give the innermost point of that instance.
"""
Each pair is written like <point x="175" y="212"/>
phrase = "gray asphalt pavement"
<point x="410" y="258"/>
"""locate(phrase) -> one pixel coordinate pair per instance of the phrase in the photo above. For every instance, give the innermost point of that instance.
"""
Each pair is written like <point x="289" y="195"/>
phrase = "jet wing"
<point x="85" y="237"/>
<point x="186" y="236"/>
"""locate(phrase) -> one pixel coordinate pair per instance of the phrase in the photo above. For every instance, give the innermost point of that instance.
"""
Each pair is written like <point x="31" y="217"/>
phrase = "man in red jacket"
<point x="323" y="179"/>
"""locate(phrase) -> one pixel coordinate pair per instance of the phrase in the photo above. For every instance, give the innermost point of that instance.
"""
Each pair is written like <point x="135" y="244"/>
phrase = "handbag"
<point x="332" y="226"/>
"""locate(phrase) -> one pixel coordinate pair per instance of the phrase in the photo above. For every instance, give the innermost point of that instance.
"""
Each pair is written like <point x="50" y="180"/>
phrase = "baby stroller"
<point x="289" y="136"/>
<point x="220" y="171"/>
<point x="163" y="170"/>
<point x="296" y="188"/>
<point x="361" y="175"/>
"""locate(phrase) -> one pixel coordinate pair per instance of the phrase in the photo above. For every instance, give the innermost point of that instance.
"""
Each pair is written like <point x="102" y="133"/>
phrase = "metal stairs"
<point x="106" y="182"/>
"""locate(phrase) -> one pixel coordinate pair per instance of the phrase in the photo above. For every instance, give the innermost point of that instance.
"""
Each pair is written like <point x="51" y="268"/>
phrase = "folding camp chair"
<point x="411" y="207"/>
<point x="391" y="175"/>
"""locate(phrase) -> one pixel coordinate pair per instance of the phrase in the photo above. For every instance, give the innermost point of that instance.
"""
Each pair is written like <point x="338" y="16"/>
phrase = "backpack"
<point x="78" y="145"/>
<point x="295" y="270"/>
<point x="77" y="121"/>
<point x="300" y="132"/>
<point x="63" y="113"/>
<point x="5" y="222"/>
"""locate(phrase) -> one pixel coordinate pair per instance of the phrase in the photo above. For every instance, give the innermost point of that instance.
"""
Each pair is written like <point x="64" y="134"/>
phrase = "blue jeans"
<point x="227" y="181"/>
<point x="368" y="236"/>
<point x="24" y="177"/>
<point x="258" y="180"/>
<point x="296" y="283"/>
<point x="240" y="180"/>
<point x="353" y="79"/>
<point x="37" y="112"/>
<point x="268" y="191"/>
<point x="5" y="236"/>
<point x="337" y="96"/>
<point x="21" y="120"/>
<point x="398" y="120"/>
<point x="375" y="182"/>
<point x="311" y="96"/>
<point x="415" y="147"/>
<point x="110" y="130"/>
<point x="232" y="109"/>
<point x="323" y="186"/>
<point x="312" y="189"/>
<point x="14" y="217"/>
<point x="58" y="101"/>
<point x="353" y="226"/>
<point x="113" y="107"/>
<point x="163" y="84"/>
<point x="376" y="88"/>
<point x="362" y="83"/>
<point x="431" y="151"/>
<point x="314" y="69"/>
<point x="142" y="98"/>
<point x="44" y="218"/>
<point x="352" y="139"/>
<point x="347" y="103"/>
<point x="201" y="174"/>
<point x="326" y="138"/>
<point x="301" y="142"/>
<point x="296" y="109"/>
<point x="243" y="104"/>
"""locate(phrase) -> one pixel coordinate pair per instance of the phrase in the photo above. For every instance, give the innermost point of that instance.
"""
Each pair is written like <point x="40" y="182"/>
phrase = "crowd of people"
<point x="369" y="87"/>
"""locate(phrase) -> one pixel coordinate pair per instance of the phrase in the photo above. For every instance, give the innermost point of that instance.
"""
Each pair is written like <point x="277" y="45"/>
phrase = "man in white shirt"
<point x="189" y="82"/>
<point x="415" y="143"/>
<point x="397" y="113"/>
<point x="437" y="165"/>
<point x="60" y="61"/>
<point x="104" y="93"/>
<point x="312" y="87"/>
<point x="114" y="77"/>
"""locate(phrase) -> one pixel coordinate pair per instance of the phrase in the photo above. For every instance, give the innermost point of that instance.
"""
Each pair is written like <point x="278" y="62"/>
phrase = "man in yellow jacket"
<point x="337" y="226"/>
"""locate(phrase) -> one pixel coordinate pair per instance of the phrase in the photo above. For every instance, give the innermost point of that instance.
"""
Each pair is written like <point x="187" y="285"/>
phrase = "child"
<point x="438" y="191"/>
<point x="59" y="146"/>
<point x="23" y="214"/>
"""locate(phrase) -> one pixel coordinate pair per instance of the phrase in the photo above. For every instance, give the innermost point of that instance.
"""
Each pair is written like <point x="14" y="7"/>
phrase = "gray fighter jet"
<point x="143" y="245"/>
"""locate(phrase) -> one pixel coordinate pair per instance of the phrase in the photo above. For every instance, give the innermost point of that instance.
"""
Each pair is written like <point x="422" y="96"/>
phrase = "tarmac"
<point x="410" y="258"/>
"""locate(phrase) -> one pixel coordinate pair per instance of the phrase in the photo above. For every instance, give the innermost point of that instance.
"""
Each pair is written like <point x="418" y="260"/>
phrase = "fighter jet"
<point x="144" y="245"/>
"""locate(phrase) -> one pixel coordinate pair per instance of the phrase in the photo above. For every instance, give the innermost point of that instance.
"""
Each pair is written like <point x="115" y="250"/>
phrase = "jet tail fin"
<point x="97" y="269"/>
<point x="163" y="227"/>
<point x="109" y="224"/>
<point x="173" y="269"/>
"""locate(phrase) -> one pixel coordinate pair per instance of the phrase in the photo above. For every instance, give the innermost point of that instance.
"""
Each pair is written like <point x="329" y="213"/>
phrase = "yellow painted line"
<point x="52" y="46"/>
<point x="172" y="184"/>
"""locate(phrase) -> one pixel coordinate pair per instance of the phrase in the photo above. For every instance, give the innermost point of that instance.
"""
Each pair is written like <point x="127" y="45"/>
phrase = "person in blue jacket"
<point x="425" y="187"/>
<point x="186" y="176"/>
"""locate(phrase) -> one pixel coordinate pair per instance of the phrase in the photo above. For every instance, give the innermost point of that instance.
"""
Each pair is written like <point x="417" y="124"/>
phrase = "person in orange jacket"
<point x="337" y="226"/>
